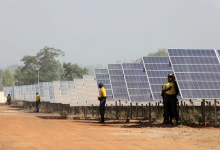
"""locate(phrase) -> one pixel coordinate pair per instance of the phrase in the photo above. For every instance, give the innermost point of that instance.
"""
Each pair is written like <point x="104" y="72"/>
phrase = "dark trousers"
<point x="102" y="109"/>
<point x="9" y="101"/>
<point x="170" y="107"/>
<point x="37" y="105"/>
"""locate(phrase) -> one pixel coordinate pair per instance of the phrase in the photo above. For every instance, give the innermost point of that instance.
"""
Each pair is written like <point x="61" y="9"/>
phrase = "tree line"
<point x="50" y="69"/>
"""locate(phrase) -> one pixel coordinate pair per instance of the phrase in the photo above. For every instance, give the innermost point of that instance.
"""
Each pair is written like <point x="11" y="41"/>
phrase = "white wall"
<point x="2" y="98"/>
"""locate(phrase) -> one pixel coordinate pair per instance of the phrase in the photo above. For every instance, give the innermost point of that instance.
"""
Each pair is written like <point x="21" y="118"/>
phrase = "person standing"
<point x="37" y="102"/>
<point x="8" y="99"/>
<point x="102" y="99"/>
<point x="169" y="90"/>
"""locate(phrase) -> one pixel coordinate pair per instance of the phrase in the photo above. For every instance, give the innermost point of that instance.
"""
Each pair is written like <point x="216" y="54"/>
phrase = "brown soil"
<point x="21" y="130"/>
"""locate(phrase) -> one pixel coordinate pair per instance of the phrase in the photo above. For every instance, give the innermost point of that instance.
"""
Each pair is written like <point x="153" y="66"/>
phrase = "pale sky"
<point x="103" y="31"/>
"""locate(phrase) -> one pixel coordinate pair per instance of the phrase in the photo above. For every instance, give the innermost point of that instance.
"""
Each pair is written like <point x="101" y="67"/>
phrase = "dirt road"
<point x="20" y="130"/>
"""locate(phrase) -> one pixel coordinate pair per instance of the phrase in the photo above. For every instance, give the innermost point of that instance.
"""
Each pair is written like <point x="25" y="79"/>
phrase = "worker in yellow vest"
<point x="37" y="102"/>
<point x="8" y="99"/>
<point x="102" y="99"/>
<point x="169" y="91"/>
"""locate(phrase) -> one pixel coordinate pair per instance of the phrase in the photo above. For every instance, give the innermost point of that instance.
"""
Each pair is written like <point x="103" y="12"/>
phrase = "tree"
<point x="8" y="78"/>
<point x="1" y="75"/>
<point x="50" y="68"/>
<point x="73" y="71"/>
<point x="160" y="52"/>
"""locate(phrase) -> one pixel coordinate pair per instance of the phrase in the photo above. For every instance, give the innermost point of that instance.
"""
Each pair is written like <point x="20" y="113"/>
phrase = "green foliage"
<point x="8" y="78"/>
<point x="63" y="114"/>
<point x="1" y="75"/>
<point x="50" y="68"/>
<point x="72" y="71"/>
<point x="160" y="52"/>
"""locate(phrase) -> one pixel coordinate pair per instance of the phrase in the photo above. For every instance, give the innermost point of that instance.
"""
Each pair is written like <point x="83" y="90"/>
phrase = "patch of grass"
<point x="64" y="115"/>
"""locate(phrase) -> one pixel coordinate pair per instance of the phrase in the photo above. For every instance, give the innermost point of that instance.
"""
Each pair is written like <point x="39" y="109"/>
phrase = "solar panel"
<point x="52" y="92"/>
<point x="28" y="93"/>
<point x="55" y="92"/>
<point x="197" y="72"/>
<point x="46" y="92"/>
<point x="136" y="82"/>
<point x="64" y="92"/>
<point x="72" y="93"/>
<point x="24" y="92"/>
<point x="157" y="69"/>
<point x="91" y="89"/>
<point x="102" y="76"/>
<point x="117" y="81"/>
<point x="81" y="92"/>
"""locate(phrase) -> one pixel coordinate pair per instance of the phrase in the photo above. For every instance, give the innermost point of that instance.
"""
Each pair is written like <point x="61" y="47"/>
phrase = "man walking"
<point x="37" y="102"/>
<point x="102" y="99"/>
<point x="8" y="99"/>
<point x="169" y="90"/>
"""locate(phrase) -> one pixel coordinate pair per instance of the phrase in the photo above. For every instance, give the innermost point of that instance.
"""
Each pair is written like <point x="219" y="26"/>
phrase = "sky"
<point x="105" y="31"/>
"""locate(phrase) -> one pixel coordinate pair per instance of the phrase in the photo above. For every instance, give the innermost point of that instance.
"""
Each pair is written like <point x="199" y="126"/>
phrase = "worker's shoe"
<point x="102" y="122"/>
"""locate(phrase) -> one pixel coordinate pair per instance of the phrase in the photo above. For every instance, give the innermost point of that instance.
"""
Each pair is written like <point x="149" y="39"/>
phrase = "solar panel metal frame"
<point x="216" y="54"/>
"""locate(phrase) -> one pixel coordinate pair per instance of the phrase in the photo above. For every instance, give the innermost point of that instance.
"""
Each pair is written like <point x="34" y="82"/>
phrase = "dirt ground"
<point x="21" y="130"/>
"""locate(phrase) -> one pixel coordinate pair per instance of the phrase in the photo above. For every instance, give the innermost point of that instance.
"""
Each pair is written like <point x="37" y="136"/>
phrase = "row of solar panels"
<point x="197" y="75"/>
<point x="135" y="82"/>
<point x="80" y="92"/>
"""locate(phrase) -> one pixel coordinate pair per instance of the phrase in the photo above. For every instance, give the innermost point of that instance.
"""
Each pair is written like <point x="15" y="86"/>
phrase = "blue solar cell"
<point x="118" y="84"/>
<point x="134" y="66"/>
<point x="132" y="79"/>
<point x="156" y="60"/>
<point x="138" y="85"/>
<point x="120" y="96"/>
<point x="196" y="68"/>
<point x="156" y="88"/>
<point x="159" y="81"/>
<point x="141" y="98"/>
<point x="159" y="73"/>
<point x="115" y="72"/>
<point x="117" y="78"/>
<point x="134" y="72"/>
<point x="103" y="81"/>
<point x="115" y="66"/>
<point x="139" y="91"/>
<point x="102" y="76"/>
<point x="186" y="52"/>
<point x="158" y="67"/>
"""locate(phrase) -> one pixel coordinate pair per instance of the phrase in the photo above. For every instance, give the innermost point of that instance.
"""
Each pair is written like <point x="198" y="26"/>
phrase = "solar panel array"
<point x="197" y="72"/>
<point x="157" y="69"/>
<point x="136" y="82"/>
<point x="117" y="81"/>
